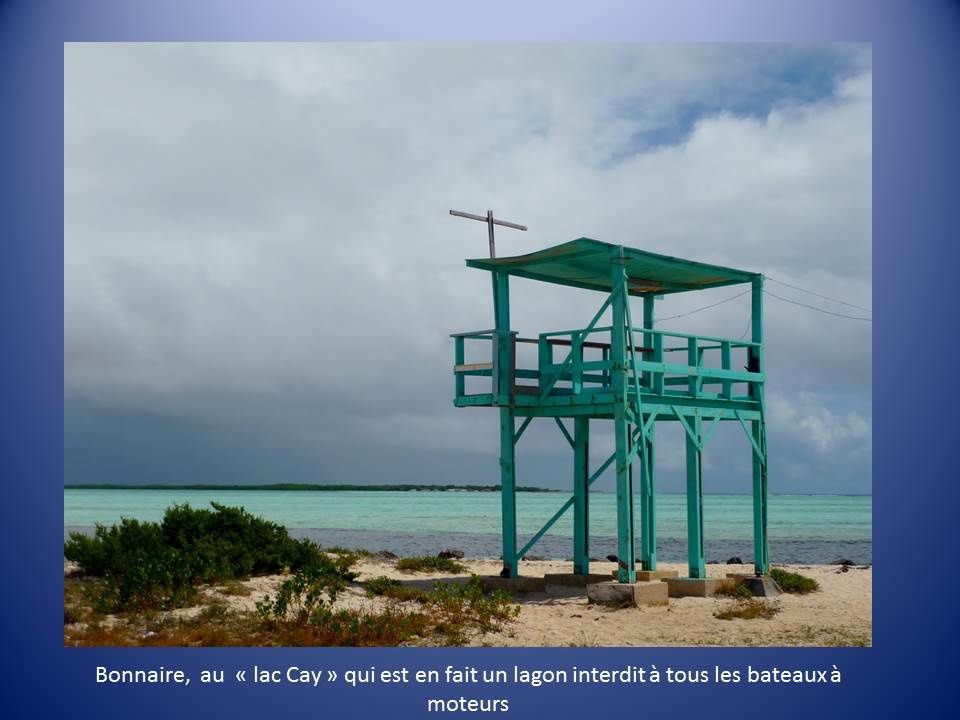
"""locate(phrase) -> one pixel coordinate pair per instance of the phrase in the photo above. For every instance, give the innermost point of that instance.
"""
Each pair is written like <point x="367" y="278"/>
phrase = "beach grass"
<point x="748" y="609"/>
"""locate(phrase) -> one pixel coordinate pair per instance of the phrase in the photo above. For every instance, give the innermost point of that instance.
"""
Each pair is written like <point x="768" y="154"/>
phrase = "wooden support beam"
<point x="626" y="567"/>
<point x="581" y="496"/>
<point x="758" y="436"/>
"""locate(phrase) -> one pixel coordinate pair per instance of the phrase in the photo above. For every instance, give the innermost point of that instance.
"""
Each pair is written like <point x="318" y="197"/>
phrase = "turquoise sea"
<point x="803" y="528"/>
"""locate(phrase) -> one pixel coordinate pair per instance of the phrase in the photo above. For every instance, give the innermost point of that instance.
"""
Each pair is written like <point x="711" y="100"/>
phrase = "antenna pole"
<point x="490" y="220"/>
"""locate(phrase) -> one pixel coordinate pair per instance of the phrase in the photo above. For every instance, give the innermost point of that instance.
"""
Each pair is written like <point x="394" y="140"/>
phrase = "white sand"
<point x="839" y="614"/>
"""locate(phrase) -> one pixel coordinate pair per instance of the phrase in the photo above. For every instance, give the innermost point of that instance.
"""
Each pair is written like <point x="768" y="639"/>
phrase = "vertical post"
<point x="626" y="571"/>
<point x="648" y="496"/>
<point x="727" y="385"/>
<point x="503" y="397"/>
<point x="581" y="496"/>
<point x="696" y="565"/>
<point x="458" y="359"/>
<point x="493" y="249"/>
<point x="758" y="430"/>
<point x="576" y="371"/>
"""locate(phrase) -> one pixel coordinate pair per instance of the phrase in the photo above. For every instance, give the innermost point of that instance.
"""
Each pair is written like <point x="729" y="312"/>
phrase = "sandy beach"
<point x="839" y="614"/>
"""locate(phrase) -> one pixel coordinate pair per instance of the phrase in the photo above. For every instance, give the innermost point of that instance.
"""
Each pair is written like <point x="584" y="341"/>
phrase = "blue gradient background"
<point x="911" y="667"/>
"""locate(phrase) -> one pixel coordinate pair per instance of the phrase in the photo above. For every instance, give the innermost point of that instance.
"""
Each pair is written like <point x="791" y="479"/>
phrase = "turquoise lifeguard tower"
<point x="634" y="375"/>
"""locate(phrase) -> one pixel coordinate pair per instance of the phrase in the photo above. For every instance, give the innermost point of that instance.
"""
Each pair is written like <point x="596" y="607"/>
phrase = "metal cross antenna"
<point x="490" y="220"/>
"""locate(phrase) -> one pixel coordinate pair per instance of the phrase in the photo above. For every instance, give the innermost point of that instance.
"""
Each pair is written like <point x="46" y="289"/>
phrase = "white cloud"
<point x="272" y="219"/>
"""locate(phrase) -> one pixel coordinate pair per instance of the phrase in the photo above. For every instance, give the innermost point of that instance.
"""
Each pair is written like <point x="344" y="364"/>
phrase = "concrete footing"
<point x="566" y="583"/>
<point x="616" y="593"/>
<point x="652" y="575"/>
<point x="763" y="586"/>
<point x="696" y="587"/>
<point x="514" y="585"/>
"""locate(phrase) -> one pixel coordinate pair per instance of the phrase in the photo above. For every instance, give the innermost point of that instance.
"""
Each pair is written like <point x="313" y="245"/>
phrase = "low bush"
<point x="427" y="563"/>
<point x="158" y="565"/>
<point x="791" y="582"/>
<point x="380" y="585"/>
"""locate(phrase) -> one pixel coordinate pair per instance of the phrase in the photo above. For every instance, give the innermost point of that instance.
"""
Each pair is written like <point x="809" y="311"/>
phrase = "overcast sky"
<point x="260" y="274"/>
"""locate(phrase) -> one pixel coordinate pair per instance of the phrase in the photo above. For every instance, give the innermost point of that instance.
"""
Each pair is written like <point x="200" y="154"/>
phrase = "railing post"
<point x="576" y="375"/>
<point x="693" y="360"/>
<point x="581" y="495"/>
<point x="458" y="359"/>
<point x="658" y="358"/>
<point x="503" y="342"/>
<point x="727" y="385"/>
<point x="648" y="321"/>
<point x="626" y="570"/>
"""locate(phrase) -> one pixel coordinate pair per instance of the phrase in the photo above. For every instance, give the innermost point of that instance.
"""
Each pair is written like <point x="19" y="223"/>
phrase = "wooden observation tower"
<point x="632" y="374"/>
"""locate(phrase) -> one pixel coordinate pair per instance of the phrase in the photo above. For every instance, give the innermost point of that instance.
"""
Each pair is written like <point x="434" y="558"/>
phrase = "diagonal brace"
<point x="756" y="446"/>
<point x="523" y="426"/>
<point x="564" y="430"/>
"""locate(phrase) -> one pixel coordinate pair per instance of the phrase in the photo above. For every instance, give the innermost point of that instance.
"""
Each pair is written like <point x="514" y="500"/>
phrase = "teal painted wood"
<point x="648" y="493"/>
<point x="503" y="362"/>
<point x="695" y="556"/>
<point x="725" y="349"/>
<point x="581" y="496"/>
<point x="508" y="493"/>
<point x="504" y="349"/>
<point x="758" y="437"/>
<point x="626" y="567"/>
<point x="632" y="386"/>
<point x="565" y="432"/>
<point x="458" y="359"/>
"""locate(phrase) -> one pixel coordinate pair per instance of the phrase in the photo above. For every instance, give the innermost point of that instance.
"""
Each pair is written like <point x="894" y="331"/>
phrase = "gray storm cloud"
<point x="260" y="274"/>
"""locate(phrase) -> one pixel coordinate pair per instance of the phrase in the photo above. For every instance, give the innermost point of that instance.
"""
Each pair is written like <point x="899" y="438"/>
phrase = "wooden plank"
<point x="468" y="367"/>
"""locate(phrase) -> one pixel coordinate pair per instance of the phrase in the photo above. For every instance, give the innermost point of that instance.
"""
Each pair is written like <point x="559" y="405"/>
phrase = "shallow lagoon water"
<point x="803" y="528"/>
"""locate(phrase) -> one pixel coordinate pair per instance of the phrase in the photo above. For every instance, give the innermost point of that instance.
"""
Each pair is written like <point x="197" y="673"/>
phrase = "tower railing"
<point x="577" y="362"/>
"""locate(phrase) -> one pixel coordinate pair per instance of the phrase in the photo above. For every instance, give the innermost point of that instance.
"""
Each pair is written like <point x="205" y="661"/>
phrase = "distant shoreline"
<point x="310" y="487"/>
<point x="395" y="488"/>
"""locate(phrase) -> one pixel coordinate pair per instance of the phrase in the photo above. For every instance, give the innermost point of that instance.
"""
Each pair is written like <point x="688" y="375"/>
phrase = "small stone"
<point x="451" y="554"/>
<point x="534" y="558"/>
<point x="612" y="558"/>
<point x="843" y="561"/>
<point x="735" y="560"/>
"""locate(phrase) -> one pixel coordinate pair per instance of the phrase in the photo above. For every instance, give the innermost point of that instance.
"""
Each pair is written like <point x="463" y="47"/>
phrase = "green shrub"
<point x="791" y="582"/>
<point x="428" y="563"/>
<point x="158" y="565"/>
<point x="306" y="595"/>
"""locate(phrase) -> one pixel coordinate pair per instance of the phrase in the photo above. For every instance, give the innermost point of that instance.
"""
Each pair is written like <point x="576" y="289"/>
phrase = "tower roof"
<point x="585" y="263"/>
